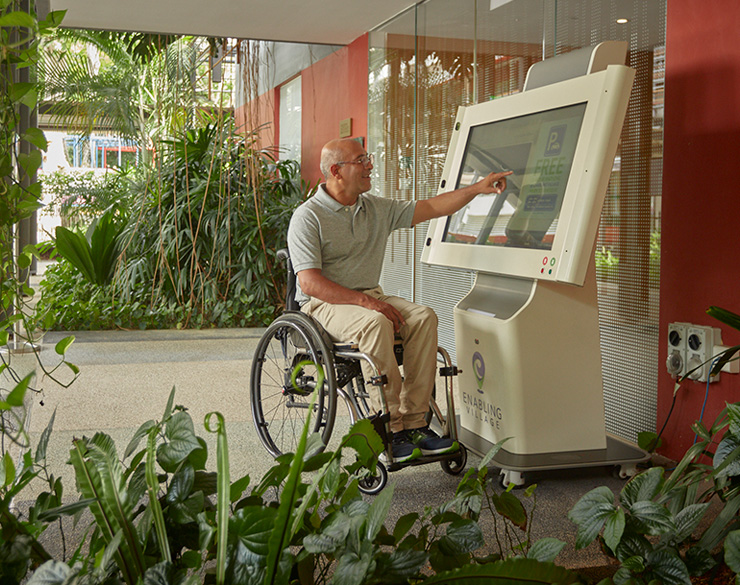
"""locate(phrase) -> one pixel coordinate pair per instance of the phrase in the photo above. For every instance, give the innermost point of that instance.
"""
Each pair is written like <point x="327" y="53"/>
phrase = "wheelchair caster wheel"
<point x="456" y="464"/>
<point x="373" y="484"/>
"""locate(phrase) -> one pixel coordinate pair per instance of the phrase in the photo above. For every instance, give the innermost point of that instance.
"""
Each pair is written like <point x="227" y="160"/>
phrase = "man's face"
<point x="356" y="170"/>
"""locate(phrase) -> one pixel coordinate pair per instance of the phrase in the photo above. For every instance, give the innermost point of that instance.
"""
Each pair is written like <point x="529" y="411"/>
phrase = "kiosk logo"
<point x="555" y="140"/>
<point x="479" y="369"/>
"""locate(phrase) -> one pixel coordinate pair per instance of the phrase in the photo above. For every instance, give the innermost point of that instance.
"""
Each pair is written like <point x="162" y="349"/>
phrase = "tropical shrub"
<point x="655" y="530"/>
<point x="79" y="197"/>
<point x="94" y="253"/>
<point x="198" y="251"/>
<point x="212" y="219"/>
<point x="20" y="193"/>
<point x="159" y="515"/>
<point x="69" y="302"/>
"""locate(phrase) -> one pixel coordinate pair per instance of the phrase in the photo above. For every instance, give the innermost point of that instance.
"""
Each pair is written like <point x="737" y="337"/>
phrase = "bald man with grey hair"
<point x="337" y="242"/>
<point x="330" y="155"/>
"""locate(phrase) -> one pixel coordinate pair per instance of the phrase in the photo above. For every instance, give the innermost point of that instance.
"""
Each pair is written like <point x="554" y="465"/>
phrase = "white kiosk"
<point x="527" y="334"/>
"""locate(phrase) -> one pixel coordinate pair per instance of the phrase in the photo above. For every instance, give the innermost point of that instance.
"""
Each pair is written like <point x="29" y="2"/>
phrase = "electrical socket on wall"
<point x="692" y="347"/>
<point x="700" y="342"/>
<point x="676" y="362"/>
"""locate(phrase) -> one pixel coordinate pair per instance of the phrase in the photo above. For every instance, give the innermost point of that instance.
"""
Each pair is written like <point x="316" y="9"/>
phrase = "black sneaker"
<point x="430" y="443"/>
<point x="403" y="449"/>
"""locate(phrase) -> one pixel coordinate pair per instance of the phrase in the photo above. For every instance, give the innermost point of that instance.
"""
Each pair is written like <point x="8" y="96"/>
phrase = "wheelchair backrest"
<point x="290" y="303"/>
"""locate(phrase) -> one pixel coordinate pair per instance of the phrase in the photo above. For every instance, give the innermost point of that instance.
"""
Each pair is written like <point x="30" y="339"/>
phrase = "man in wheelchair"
<point x="337" y="242"/>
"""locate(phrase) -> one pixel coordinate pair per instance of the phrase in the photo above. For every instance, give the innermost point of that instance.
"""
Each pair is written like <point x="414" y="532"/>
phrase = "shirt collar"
<point x="328" y="201"/>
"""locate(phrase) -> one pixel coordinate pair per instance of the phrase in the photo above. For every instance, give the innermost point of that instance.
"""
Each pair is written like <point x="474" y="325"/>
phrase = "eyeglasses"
<point x="366" y="161"/>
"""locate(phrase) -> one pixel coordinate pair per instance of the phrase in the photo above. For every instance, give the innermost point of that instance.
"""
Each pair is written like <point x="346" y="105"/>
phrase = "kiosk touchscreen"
<point x="527" y="334"/>
<point x="559" y="140"/>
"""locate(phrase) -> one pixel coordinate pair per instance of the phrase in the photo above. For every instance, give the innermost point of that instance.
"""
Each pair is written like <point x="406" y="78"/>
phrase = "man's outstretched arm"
<point x="448" y="203"/>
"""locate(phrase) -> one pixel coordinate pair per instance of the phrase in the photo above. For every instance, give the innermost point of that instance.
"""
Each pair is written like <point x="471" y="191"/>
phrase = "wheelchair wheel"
<point x="374" y="484"/>
<point x="358" y="391"/>
<point x="455" y="465"/>
<point x="279" y="406"/>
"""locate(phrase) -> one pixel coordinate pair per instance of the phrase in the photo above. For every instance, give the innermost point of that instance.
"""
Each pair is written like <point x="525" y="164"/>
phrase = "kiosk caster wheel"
<point x="626" y="471"/>
<point x="455" y="465"/>
<point x="374" y="484"/>
<point x="508" y="476"/>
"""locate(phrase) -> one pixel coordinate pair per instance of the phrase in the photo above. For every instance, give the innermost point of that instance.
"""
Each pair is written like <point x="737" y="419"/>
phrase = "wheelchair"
<point x="284" y="376"/>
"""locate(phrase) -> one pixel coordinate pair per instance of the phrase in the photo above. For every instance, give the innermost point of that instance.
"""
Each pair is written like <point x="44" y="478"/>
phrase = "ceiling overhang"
<point x="331" y="22"/>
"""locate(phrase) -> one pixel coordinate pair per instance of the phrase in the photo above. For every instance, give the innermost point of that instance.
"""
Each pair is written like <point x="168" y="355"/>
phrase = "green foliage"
<point x="210" y="226"/>
<point x="655" y="530"/>
<point x="79" y="197"/>
<point x="20" y="192"/>
<point x="93" y="254"/>
<point x="198" y="243"/>
<point x="607" y="264"/>
<point x="20" y="158"/>
<point x="626" y="531"/>
<point x="160" y="516"/>
<point x="69" y="302"/>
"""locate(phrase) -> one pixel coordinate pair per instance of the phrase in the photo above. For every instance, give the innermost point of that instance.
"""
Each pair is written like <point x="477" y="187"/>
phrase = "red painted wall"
<point x="261" y="115"/>
<point x="701" y="196"/>
<point x="332" y="90"/>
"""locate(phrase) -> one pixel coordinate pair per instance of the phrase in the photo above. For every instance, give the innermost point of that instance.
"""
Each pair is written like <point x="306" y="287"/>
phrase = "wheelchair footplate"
<point x="452" y="463"/>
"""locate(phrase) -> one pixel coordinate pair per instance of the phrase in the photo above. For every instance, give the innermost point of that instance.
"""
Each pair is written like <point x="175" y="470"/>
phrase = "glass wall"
<point x="442" y="54"/>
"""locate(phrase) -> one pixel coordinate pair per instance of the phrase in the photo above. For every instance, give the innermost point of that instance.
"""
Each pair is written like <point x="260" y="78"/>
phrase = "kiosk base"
<point x="620" y="453"/>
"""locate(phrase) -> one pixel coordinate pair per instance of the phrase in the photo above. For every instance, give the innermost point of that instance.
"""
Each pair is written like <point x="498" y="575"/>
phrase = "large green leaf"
<point x="16" y="396"/>
<point x="377" y="513"/>
<point x="732" y="550"/>
<point x="353" y="566"/>
<point x="590" y="514"/>
<point x="333" y="534"/>
<point x="653" y="518"/>
<point x="74" y="248"/>
<point x="400" y="565"/>
<point x="725" y="316"/>
<point x="50" y="573"/>
<point x="104" y="247"/>
<point x="252" y="526"/>
<point x="509" y="506"/>
<point x="35" y="137"/>
<point x="18" y="18"/>
<point x="545" y="550"/>
<point x="688" y="519"/>
<point x="644" y="486"/>
<point x="517" y="571"/>
<point x="100" y="477"/>
<point x="631" y="545"/>
<point x="668" y="567"/>
<point x="614" y="528"/>
<point x="462" y="536"/>
<point x="726" y="459"/>
<point x="180" y="441"/>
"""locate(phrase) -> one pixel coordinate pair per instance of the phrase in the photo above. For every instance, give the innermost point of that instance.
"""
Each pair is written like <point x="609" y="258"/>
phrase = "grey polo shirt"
<point x="347" y="243"/>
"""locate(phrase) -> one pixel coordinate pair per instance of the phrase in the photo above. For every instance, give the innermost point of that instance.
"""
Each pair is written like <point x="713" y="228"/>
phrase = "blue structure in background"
<point x="105" y="151"/>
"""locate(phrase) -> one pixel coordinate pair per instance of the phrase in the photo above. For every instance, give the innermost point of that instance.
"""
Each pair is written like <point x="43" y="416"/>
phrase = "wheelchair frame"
<point x="280" y="391"/>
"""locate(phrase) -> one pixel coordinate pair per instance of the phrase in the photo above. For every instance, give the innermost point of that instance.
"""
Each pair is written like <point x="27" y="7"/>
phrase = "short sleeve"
<point x="304" y="241"/>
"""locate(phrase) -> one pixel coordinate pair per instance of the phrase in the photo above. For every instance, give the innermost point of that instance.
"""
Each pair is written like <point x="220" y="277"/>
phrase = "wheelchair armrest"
<point x="290" y="303"/>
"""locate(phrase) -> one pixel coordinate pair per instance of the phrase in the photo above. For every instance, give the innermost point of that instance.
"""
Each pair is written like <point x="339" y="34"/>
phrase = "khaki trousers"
<point x="407" y="396"/>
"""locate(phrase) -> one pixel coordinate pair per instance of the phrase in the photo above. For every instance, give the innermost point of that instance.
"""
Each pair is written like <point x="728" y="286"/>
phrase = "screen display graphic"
<point x="539" y="149"/>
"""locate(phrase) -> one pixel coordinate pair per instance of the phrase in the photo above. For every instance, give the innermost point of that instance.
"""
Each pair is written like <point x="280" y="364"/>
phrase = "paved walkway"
<point x="126" y="378"/>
